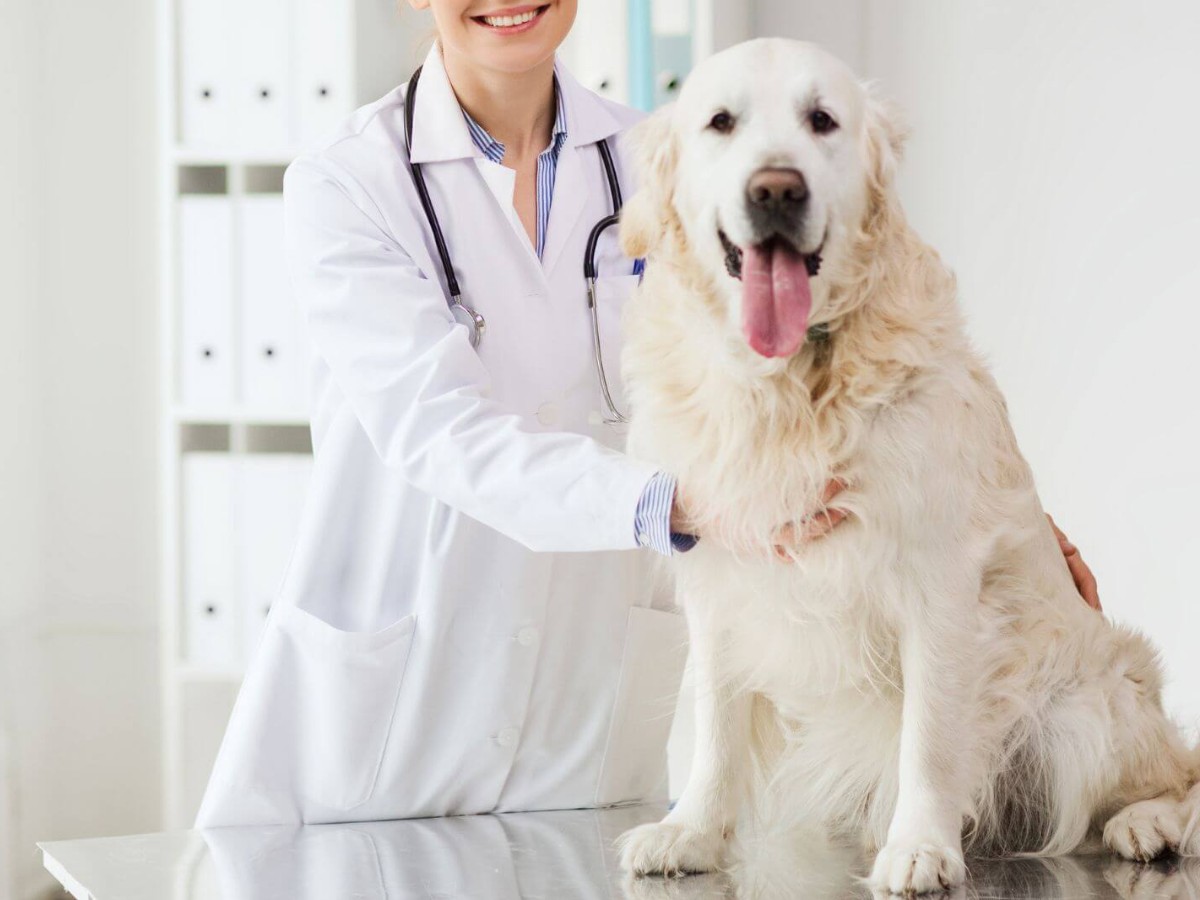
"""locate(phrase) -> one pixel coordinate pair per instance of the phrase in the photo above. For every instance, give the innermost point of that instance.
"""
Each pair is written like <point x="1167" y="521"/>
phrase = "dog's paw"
<point x="1189" y="814"/>
<point x="908" y="868"/>
<point x="1145" y="830"/>
<point x="1141" y="881"/>
<point x="1189" y="844"/>
<point x="670" y="848"/>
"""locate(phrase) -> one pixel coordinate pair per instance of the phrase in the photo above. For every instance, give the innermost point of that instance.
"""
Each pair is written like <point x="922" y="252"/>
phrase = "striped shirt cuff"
<point x="652" y="520"/>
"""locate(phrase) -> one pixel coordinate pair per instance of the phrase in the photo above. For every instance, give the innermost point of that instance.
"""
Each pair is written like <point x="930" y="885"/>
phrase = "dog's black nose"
<point x="776" y="199"/>
<point x="777" y="188"/>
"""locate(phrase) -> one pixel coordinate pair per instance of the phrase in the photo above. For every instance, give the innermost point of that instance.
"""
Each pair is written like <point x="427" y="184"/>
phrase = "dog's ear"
<point x="650" y="212"/>
<point x="885" y="135"/>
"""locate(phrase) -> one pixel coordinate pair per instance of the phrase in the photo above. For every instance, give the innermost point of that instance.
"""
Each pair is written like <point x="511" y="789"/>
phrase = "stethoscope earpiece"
<point x="474" y="321"/>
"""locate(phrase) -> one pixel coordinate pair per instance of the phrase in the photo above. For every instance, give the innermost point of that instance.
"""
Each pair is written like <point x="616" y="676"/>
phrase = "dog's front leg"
<point x="692" y="836"/>
<point x="923" y="851"/>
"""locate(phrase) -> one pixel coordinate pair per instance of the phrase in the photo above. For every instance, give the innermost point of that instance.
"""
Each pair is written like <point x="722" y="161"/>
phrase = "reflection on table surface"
<point x="562" y="855"/>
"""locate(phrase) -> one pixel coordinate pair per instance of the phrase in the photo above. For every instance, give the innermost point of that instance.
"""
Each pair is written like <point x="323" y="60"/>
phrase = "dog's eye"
<point x="722" y="122"/>
<point x="821" y="121"/>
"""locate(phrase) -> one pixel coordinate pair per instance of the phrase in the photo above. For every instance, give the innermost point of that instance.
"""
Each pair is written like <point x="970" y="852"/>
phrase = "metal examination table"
<point x="565" y="855"/>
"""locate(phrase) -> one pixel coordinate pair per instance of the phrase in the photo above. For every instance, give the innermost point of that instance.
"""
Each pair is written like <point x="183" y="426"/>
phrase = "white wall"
<point x="838" y="27"/>
<point x="78" y="664"/>
<point x="19" y="469"/>
<point x="1053" y="163"/>
<point x="19" y="474"/>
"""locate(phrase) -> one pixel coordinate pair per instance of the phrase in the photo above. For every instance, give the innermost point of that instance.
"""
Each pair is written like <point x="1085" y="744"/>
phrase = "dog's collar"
<point x="818" y="334"/>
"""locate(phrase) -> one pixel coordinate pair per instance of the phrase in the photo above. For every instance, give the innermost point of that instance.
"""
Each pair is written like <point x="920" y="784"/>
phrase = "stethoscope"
<point x="464" y="314"/>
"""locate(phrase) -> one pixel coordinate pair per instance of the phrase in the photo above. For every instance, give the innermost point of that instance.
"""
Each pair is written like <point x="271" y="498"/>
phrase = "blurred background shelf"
<point x="245" y="87"/>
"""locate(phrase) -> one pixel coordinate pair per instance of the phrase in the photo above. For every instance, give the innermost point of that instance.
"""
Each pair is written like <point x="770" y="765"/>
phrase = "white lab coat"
<point x="438" y="644"/>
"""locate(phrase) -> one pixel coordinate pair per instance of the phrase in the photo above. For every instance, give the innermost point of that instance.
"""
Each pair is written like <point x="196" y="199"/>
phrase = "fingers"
<point x="821" y="524"/>
<point x="1057" y="531"/>
<point x="834" y="487"/>
<point x="794" y="534"/>
<point x="681" y="520"/>
<point x="1085" y="581"/>
<point x="825" y="518"/>
<point x="785" y="537"/>
<point x="1063" y="541"/>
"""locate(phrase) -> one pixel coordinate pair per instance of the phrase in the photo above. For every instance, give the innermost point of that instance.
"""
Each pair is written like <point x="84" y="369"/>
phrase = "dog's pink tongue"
<point x="776" y="299"/>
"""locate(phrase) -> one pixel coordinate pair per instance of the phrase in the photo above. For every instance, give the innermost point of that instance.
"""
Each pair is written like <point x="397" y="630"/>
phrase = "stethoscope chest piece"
<point x="475" y="323"/>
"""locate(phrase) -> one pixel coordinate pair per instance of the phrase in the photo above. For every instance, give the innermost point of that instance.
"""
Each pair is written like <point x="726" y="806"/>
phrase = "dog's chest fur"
<point x="754" y="443"/>
<point x="912" y="421"/>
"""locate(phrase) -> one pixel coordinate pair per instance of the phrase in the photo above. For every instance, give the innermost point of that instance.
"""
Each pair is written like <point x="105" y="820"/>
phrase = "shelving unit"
<point x="244" y="87"/>
<point x="639" y="52"/>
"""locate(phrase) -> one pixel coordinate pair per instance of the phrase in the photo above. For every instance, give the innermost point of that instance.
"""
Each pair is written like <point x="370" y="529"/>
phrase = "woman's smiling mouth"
<point x="512" y="21"/>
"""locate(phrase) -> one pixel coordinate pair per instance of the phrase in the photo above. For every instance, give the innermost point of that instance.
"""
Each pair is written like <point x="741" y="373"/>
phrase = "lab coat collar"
<point x="440" y="130"/>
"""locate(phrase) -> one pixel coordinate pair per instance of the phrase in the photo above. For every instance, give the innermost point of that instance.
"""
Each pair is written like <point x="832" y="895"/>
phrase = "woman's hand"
<point x="794" y="535"/>
<point x="1085" y="581"/>
<point x="788" y="538"/>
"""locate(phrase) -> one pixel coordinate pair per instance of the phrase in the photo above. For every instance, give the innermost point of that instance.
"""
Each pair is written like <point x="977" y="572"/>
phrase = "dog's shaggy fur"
<point x="926" y="673"/>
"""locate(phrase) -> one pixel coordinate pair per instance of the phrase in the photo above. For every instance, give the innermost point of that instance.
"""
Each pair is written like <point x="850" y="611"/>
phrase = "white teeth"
<point x="509" y="21"/>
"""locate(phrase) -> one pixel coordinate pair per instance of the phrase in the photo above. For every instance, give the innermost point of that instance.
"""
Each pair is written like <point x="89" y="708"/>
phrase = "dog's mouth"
<point x="733" y="254"/>
<point x="776" y="293"/>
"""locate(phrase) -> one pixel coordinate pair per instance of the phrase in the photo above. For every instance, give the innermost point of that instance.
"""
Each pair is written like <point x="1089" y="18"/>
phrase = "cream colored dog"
<point x="927" y="671"/>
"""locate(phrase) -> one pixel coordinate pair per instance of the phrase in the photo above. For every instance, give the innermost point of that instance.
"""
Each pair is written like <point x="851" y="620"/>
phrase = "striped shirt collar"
<point x="494" y="149"/>
<point x="440" y="132"/>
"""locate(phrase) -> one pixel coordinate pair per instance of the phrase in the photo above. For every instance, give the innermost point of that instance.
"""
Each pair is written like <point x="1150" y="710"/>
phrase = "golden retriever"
<point x="926" y="675"/>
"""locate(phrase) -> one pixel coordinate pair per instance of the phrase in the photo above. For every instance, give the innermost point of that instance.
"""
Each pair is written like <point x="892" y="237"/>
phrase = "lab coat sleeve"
<point x="421" y="392"/>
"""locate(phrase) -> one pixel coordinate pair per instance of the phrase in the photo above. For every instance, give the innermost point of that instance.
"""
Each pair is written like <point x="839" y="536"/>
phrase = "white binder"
<point x="272" y="353"/>
<point x="597" y="49"/>
<point x="271" y="493"/>
<point x="206" y="371"/>
<point x="262" y="97"/>
<point x="322" y="48"/>
<point x="212" y="617"/>
<point x="206" y="73"/>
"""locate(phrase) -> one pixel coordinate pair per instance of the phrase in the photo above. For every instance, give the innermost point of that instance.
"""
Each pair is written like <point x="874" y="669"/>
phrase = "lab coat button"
<point x="547" y="413"/>
<point x="526" y="636"/>
<point x="507" y="737"/>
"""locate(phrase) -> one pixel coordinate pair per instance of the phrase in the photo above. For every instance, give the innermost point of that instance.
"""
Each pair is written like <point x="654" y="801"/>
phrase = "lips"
<point x="776" y="292"/>
<point x="511" y="19"/>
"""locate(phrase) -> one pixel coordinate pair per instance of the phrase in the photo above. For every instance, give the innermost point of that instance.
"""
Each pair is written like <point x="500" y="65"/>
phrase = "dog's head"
<point x="774" y="163"/>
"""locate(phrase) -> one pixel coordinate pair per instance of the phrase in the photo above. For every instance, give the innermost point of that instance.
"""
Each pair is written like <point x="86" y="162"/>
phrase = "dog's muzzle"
<point x="777" y="202"/>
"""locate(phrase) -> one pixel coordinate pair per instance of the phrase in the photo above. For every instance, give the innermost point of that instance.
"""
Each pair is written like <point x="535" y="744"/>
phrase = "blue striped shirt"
<point x="652" y="518"/>
<point x="547" y="161"/>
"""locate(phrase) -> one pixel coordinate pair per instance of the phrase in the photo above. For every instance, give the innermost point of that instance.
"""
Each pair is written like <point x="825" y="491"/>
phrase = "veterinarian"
<point x="469" y="621"/>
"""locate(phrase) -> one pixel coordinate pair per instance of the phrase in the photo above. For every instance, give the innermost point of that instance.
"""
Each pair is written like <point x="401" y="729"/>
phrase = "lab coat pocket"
<point x="635" y="758"/>
<point x="351" y="683"/>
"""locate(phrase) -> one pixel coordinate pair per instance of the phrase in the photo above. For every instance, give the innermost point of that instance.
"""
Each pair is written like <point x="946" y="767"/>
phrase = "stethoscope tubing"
<point x="465" y="314"/>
